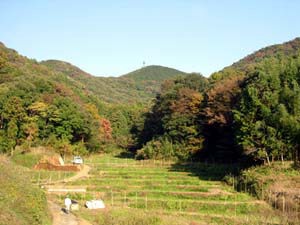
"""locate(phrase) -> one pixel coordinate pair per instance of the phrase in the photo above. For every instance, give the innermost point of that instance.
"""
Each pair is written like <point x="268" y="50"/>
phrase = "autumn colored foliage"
<point x="247" y="111"/>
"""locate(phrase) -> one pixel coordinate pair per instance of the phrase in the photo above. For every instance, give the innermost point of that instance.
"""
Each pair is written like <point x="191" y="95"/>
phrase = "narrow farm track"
<point x="58" y="215"/>
<point x="84" y="173"/>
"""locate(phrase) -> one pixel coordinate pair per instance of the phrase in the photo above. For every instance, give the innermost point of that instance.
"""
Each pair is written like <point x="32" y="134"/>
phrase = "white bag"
<point x="95" y="204"/>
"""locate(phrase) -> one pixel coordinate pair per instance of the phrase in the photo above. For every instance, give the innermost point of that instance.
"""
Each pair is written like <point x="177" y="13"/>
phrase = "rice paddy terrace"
<point x="158" y="192"/>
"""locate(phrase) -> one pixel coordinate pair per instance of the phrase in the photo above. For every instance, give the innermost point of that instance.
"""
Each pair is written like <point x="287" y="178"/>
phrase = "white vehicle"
<point x="77" y="160"/>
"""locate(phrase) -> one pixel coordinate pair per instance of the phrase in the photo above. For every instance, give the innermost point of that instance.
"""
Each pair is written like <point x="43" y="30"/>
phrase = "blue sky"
<point x="111" y="38"/>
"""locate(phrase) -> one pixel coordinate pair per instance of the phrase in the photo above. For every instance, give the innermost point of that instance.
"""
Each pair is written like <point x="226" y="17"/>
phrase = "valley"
<point x="163" y="146"/>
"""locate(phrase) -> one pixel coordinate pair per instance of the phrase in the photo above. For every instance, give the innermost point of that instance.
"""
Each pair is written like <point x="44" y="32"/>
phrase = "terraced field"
<point x="157" y="192"/>
<point x="42" y="177"/>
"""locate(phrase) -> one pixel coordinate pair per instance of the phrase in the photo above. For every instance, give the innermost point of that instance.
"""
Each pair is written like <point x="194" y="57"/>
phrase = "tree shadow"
<point x="296" y="165"/>
<point x="206" y="171"/>
<point x="125" y="155"/>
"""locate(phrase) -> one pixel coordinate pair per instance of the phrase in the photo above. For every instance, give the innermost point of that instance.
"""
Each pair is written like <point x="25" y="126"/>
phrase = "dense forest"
<point x="41" y="107"/>
<point x="247" y="112"/>
<point x="56" y="104"/>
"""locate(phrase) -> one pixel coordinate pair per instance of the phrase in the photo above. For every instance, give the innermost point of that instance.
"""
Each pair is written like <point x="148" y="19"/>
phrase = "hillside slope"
<point x="21" y="203"/>
<point x="55" y="99"/>
<point x="154" y="73"/>
<point x="235" y="113"/>
<point x="253" y="60"/>
<point x="38" y="104"/>
<point x="139" y="86"/>
<point x="230" y="84"/>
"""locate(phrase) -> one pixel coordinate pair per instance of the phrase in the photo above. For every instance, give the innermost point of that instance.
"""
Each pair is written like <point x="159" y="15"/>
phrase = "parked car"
<point x="77" y="160"/>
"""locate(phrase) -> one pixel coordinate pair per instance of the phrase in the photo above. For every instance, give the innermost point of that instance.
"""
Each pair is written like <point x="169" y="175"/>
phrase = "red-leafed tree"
<point x="106" y="129"/>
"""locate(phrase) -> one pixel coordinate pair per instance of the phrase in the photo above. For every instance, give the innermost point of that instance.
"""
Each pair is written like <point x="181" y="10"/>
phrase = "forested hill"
<point x="66" y="68"/>
<point x="154" y="73"/>
<point x="55" y="103"/>
<point x="39" y="106"/>
<point x="285" y="49"/>
<point x="253" y="60"/>
<point x="249" y="110"/>
<point x="274" y="65"/>
<point x="139" y="86"/>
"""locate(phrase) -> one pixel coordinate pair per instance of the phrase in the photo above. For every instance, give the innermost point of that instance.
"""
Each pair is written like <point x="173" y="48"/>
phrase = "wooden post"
<point x="146" y="202"/>
<point x="124" y="199"/>
<point x="283" y="203"/>
<point x="136" y="200"/>
<point x="298" y="214"/>
<point x="39" y="177"/>
<point x="112" y="197"/>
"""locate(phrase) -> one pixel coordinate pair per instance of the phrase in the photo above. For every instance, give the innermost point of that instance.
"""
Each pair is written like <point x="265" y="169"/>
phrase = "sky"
<point x="111" y="38"/>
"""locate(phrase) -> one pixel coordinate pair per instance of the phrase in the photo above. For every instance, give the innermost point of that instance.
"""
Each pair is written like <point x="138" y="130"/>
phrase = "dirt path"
<point x="81" y="174"/>
<point x="58" y="215"/>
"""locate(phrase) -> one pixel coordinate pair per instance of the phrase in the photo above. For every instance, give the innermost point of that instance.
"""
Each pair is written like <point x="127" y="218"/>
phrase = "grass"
<point x="121" y="216"/>
<point x="277" y="184"/>
<point x="26" y="159"/>
<point x="164" y="192"/>
<point x="29" y="159"/>
<point x="46" y="176"/>
<point x="20" y="201"/>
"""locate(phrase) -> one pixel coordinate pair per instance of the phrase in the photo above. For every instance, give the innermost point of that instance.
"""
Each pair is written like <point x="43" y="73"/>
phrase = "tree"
<point x="64" y="147"/>
<point x="267" y="119"/>
<point x="173" y="118"/>
<point x="31" y="130"/>
<point x="12" y="134"/>
<point x="216" y="120"/>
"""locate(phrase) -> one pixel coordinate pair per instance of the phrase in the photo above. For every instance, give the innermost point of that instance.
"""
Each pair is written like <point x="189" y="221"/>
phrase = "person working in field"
<point x="68" y="203"/>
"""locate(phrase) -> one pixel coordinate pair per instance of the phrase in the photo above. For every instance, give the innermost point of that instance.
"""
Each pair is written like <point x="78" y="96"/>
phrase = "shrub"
<point x="162" y="148"/>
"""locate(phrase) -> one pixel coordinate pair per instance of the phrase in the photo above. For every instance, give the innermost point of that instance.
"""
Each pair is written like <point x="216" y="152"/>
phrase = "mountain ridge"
<point x="252" y="60"/>
<point x="152" y="71"/>
<point x="138" y="86"/>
